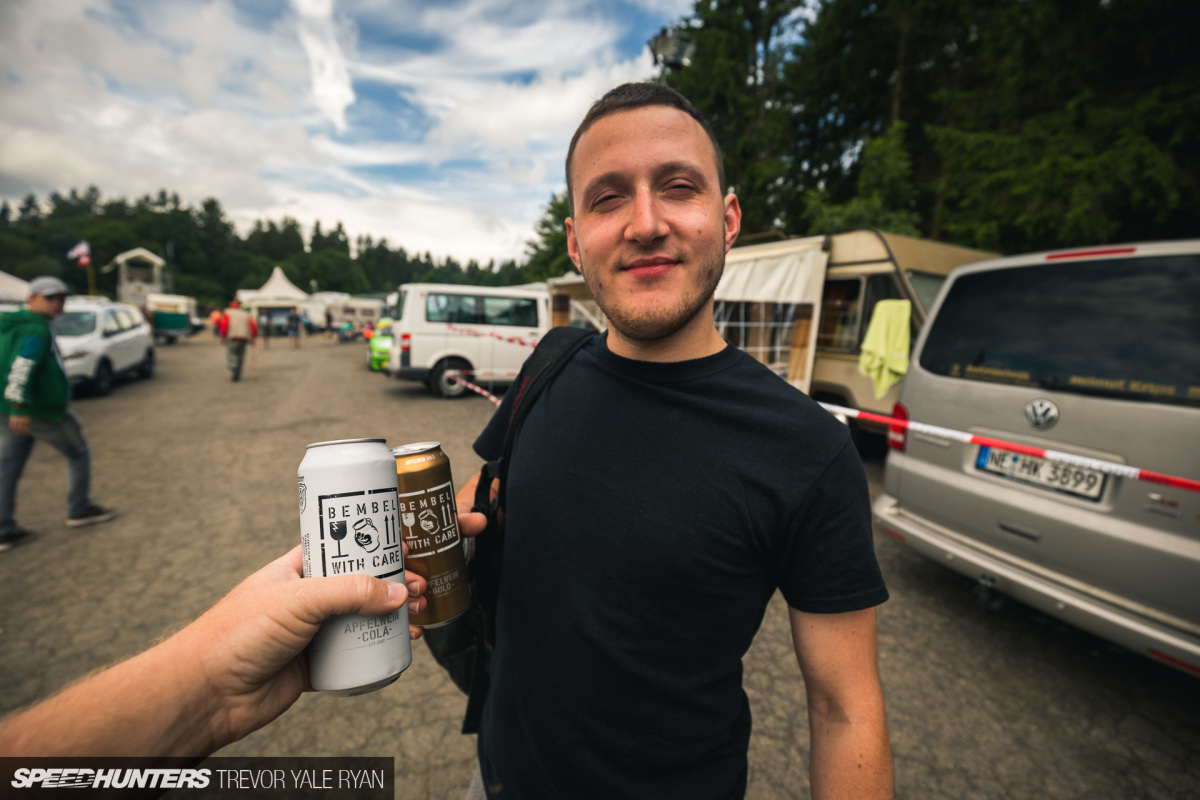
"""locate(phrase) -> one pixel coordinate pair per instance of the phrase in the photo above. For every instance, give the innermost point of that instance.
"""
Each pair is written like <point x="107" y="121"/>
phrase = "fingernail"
<point x="396" y="592"/>
<point x="414" y="587"/>
<point x="414" y="606"/>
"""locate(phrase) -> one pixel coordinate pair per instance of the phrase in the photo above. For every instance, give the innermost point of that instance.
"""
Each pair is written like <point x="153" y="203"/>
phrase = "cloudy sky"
<point x="440" y="125"/>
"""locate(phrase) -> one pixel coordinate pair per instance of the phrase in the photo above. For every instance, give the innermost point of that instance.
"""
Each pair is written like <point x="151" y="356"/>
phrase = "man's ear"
<point x="572" y="243"/>
<point x="733" y="220"/>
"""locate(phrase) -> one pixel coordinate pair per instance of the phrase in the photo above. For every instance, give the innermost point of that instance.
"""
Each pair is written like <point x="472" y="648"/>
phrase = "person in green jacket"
<point x="34" y="406"/>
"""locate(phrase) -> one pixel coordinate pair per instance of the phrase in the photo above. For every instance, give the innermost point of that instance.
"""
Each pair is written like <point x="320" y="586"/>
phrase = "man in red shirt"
<point x="236" y="328"/>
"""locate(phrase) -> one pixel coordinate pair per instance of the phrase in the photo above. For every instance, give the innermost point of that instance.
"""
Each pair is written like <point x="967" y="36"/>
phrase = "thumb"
<point x="321" y="598"/>
<point x="472" y="523"/>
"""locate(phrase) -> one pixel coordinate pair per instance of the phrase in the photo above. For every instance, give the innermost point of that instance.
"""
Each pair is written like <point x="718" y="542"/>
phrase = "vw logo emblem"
<point x="1041" y="414"/>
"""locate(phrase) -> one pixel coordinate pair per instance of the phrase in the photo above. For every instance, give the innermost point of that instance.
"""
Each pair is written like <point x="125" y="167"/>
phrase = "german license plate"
<point x="1079" y="481"/>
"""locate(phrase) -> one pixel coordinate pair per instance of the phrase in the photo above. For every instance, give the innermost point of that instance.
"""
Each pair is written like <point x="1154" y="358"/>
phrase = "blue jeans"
<point x="66" y="436"/>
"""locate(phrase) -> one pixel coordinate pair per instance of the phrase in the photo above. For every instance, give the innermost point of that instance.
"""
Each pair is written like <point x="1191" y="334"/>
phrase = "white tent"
<point x="13" y="289"/>
<point x="276" y="292"/>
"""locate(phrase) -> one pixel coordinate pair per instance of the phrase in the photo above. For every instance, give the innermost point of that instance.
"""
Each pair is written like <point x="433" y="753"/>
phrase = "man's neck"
<point x="697" y="339"/>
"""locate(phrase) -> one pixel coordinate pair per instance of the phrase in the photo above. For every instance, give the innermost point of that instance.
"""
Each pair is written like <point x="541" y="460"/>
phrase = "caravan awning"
<point x="786" y="272"/>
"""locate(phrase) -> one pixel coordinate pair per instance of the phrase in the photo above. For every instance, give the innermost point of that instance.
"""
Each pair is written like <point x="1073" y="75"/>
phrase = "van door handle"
<point x="1024" y="531"/>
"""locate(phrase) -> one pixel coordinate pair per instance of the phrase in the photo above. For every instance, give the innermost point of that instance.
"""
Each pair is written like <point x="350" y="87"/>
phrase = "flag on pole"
<point x="81" y="251"/>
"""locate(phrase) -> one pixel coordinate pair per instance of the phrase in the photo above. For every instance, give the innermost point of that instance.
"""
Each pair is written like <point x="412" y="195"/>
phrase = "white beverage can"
<point x="349" y="523"/>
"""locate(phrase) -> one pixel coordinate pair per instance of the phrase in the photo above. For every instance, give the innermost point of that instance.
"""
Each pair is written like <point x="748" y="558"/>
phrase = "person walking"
<point x="34" y="407"/>
<point x="293" y="328"/>
<point x="661" y="490"/>
<point x="237" y="328"/>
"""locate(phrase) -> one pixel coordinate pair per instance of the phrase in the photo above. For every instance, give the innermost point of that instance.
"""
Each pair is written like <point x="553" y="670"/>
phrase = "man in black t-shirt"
<point x="662" y="488"/>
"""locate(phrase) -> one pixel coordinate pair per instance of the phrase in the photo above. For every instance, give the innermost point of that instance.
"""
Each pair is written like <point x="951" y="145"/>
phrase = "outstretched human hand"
<point x="249" y="646"/>
<point x="236" y="668"/>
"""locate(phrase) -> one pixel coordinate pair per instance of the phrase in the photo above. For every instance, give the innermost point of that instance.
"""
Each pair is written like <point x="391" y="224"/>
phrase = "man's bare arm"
<point x="851" y="756"/>
<point x="233" y="670"/>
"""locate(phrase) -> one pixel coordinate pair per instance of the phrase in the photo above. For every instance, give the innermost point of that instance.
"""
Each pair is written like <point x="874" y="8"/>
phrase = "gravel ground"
<point x="982" y="702"/>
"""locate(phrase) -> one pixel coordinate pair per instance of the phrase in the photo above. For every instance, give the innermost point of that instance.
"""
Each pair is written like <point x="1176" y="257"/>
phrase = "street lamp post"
<point x="672" y="49"/>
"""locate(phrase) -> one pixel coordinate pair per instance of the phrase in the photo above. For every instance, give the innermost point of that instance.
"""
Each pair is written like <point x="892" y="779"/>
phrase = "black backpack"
<point x="464" y="646"/>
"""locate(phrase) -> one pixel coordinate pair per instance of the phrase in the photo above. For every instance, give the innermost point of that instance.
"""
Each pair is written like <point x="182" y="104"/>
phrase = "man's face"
<point x="49" y="306"/>
<point x="650" y="228"/>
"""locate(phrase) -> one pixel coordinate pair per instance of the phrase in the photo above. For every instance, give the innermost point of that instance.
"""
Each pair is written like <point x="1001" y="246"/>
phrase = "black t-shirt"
<point x="652" y="511"/>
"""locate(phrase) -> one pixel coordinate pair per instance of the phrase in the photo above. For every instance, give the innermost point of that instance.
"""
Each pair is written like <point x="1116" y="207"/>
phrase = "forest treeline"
<point x="1010" y="126"/>
<point x="206" y="258"/>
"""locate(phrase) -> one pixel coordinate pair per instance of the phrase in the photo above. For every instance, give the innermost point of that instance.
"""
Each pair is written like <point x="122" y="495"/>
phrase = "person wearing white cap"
<point x="33" y="406"/>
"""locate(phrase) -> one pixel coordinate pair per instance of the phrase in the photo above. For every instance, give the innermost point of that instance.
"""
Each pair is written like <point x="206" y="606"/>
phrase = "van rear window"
<point x="1124" y="328"/>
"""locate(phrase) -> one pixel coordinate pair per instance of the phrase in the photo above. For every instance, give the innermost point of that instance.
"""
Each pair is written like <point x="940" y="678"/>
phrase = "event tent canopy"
<point x="13" y="289"/>
<point x="278" y="290"/>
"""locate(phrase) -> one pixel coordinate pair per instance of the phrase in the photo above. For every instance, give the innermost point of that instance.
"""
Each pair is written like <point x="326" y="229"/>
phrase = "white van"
<point x="484" y="331"/>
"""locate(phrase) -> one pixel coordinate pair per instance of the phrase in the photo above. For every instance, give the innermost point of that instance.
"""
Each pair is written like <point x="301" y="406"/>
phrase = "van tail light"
<point x="897" y="436"/>
<point x="405" y="342"/>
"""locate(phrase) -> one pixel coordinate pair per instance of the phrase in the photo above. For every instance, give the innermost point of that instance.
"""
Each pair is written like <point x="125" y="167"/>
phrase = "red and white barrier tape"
<point x="489" y="334"/>
<point x="458" y="377"/>
<point x="1107" y="467"/>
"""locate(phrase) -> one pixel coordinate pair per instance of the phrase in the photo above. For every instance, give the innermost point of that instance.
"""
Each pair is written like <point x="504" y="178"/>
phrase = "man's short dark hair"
<point x="630" y="96"/>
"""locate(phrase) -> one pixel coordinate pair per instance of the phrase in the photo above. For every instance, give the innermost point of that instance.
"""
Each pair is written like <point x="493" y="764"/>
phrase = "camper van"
<point x="173" y="316"/>
<point x="484" y="331"/>
<point x="802" y="306"/>
<point x="358" y="311"/>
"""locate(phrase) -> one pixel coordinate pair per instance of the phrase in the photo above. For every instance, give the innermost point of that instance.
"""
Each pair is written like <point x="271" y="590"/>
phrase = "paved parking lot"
<point x="983" y="702"/>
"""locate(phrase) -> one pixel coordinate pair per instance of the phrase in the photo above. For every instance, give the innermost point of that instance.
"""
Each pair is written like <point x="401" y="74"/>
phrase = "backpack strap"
<point x="552" y="353"/>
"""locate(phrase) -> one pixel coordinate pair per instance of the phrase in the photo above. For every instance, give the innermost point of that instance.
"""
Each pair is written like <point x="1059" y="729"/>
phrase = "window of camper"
<point x="841" y="308"/>
<point x="764" y="330"/>
<point x="926" y="285"/>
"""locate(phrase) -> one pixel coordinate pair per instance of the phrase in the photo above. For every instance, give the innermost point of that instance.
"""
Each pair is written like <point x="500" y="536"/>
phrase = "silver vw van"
<point x="1092" y="353"/>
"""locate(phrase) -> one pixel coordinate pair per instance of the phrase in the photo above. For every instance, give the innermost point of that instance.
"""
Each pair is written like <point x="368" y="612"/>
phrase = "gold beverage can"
<point x="429" y="526"/>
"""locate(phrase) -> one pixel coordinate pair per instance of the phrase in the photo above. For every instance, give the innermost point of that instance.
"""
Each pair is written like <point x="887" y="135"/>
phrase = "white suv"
<point x="100" y="339"/>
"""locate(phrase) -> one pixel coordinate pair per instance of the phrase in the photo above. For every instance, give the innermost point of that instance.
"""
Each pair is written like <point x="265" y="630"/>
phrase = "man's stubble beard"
<point x="662" y="322"/>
